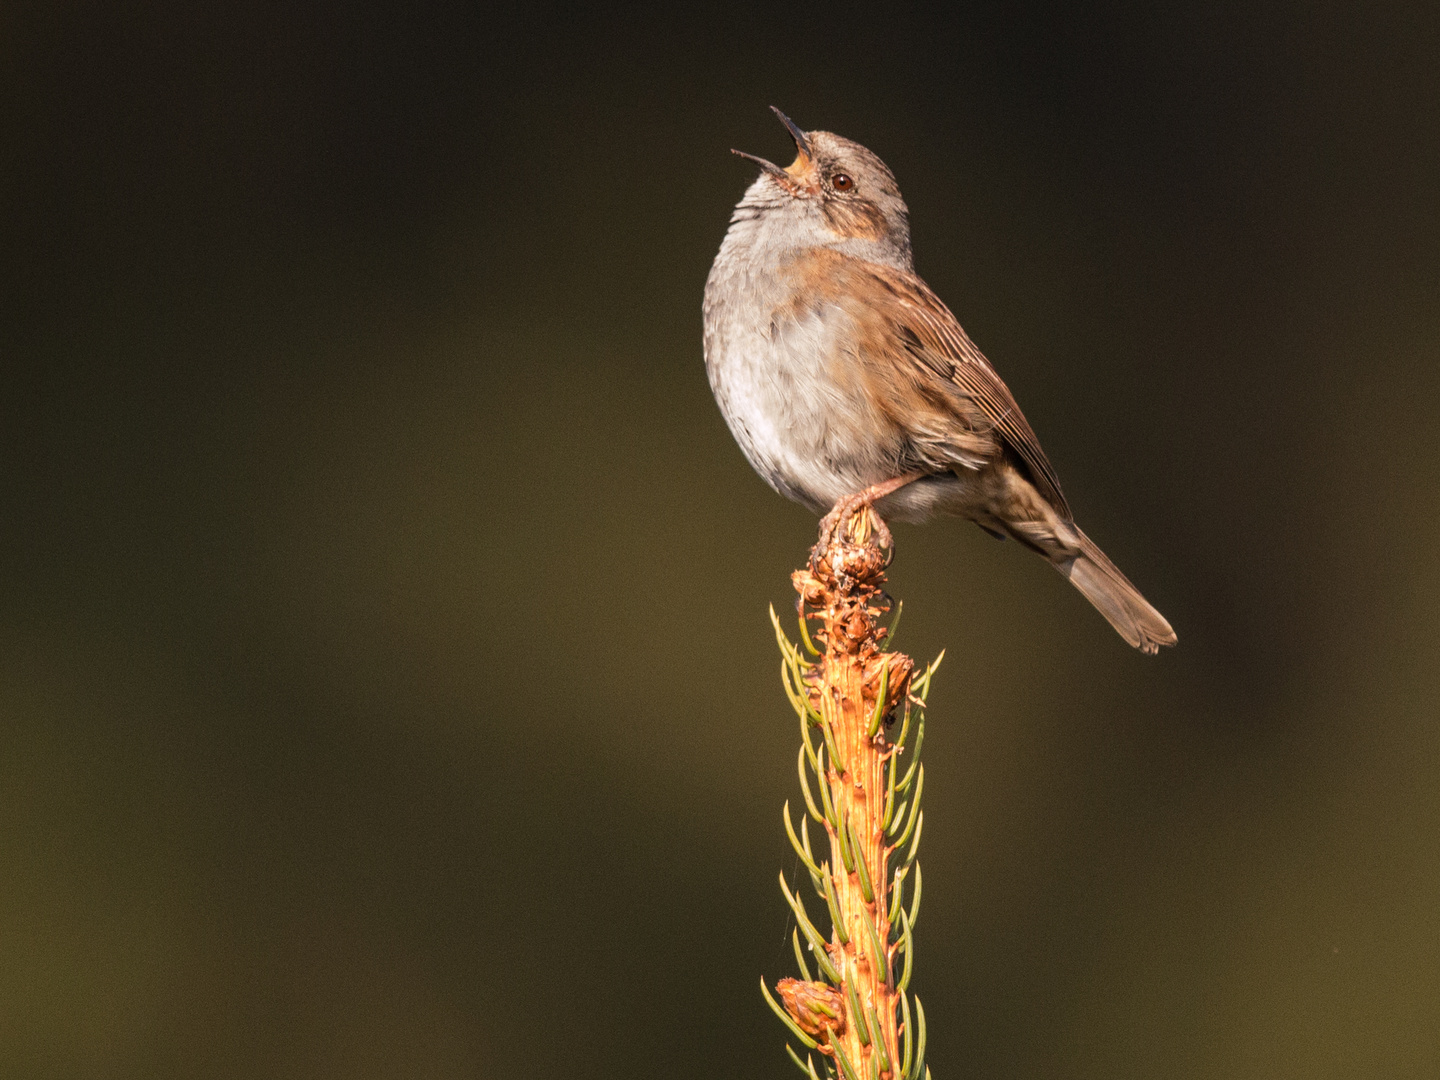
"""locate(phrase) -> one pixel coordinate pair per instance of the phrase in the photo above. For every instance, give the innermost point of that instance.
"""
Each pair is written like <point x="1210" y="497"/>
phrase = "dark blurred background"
<point x="386" y="688"/>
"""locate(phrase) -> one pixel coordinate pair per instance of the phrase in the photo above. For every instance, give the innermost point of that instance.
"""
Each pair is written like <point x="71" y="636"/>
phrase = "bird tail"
<point x="1114" y="597"/>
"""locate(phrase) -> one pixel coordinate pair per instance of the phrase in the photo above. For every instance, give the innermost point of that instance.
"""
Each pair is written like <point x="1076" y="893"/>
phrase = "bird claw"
<point x="854" y="519"/>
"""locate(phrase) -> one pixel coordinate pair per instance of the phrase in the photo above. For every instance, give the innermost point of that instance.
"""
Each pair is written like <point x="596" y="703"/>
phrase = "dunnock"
<point x="848" y="383"/>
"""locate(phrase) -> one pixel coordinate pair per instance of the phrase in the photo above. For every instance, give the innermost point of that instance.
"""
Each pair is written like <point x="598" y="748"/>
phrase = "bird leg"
<point x="851" y="505"/>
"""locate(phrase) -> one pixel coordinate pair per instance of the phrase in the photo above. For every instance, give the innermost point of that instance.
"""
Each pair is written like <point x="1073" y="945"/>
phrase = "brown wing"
<point x="936" y="342"/>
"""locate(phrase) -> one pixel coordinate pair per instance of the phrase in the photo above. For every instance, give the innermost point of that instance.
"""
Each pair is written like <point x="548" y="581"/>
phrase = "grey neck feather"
<point x="774" y="226"/>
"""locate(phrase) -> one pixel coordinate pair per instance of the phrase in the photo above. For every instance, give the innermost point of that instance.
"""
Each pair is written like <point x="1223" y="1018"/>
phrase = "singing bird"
<point x="847" y="382"/>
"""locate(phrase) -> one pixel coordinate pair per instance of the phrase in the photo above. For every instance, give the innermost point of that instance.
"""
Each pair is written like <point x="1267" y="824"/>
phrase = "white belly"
<point x="795" y="427"/>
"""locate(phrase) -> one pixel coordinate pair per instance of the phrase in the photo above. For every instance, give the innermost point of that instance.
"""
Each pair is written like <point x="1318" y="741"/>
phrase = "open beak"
<point x="802" y="153"/>
<point x="769" y="166"/>
<point x="802" y="144"/>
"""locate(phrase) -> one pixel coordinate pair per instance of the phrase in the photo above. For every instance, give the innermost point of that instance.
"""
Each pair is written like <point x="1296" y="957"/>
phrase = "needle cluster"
<point x="862" y="725"/>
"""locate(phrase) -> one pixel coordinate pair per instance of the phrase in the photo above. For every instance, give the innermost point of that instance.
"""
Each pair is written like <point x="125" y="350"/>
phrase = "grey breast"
<point x="769" y="363"/>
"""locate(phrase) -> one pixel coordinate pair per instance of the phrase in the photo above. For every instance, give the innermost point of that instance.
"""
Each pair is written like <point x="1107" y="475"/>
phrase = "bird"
<point x="848" y="383"/>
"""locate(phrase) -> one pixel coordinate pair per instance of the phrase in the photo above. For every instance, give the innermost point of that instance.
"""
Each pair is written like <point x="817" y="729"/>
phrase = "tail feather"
<point x="1120" y="602"/>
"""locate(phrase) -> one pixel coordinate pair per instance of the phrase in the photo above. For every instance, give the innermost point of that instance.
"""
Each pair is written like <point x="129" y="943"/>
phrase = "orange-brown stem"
<point x="842" y="594"/>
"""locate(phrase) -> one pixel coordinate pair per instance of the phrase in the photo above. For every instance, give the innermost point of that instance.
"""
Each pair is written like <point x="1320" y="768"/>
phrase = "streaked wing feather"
<point x="942" y="346"/>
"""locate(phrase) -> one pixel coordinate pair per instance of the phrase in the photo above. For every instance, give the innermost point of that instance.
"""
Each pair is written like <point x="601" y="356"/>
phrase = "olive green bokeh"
<point x="386" y="687"/>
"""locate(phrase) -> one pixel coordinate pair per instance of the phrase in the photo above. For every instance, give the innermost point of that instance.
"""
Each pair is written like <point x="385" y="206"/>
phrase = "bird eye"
<point x="842" y="182"/>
